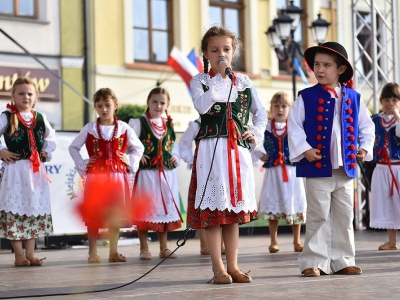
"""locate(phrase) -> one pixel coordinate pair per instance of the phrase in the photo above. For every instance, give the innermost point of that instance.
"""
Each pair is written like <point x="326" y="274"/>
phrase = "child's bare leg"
<point x="273" y="231"/>
<point x="230" y="233"/>
<point x="392" y="235"/>
<point x="297" y="245"/>
<point x="296" y="234"/>
<point x="30" y="248"/>
<point x="164" y="251"/>
<point x="203" y="240"/>
<point x="162" y="237"/>
<point x="213" y="235"/>
<point x="18" y="250"/>
<point x="222" y="245"/>
<point x="143" y="239"/>
<point x="113" y="236"/>
<point x="92" y="239"/>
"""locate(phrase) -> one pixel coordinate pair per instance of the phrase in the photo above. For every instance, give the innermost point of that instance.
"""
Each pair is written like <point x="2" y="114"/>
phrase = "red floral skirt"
<point x="199" y="218"/>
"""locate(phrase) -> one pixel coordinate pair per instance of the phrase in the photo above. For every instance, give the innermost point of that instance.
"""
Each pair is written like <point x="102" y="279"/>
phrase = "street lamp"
<point x="319" y="29"/>
<point x="281" y="36"/>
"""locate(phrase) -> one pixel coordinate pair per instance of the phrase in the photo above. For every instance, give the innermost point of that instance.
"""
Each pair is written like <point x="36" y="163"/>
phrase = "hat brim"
<point x="309" y="56"/>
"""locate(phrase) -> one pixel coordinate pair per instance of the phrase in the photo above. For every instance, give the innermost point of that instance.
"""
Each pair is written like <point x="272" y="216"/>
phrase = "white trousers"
<point x="329" y="241"/>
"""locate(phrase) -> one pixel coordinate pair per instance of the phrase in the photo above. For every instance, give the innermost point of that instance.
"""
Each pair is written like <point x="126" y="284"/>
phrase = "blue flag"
<point x="299" y="70"/>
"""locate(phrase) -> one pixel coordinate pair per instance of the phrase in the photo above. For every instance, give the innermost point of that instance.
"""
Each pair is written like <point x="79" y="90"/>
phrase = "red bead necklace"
<point x="157" y="129"/>
<point x="28" y="124"/>
<point x="387" y="124"/>
<point x="274" y="131"/>
<point x="115" y="129"/>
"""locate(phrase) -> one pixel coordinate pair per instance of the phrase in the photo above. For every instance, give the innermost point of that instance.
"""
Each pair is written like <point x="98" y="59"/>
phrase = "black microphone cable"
<point x="179" y="243"/>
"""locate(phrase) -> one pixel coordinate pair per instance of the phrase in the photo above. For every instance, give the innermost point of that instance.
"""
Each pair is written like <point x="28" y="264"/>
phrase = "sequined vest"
<point x="159" y="150"/>
<point x="212" y="119"/>
<point x="319" y="112"/>
<point x="18" y="142"/>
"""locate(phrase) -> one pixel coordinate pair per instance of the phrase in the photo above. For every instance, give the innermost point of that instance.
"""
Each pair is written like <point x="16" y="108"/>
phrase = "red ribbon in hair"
<point x="12" y="107"/>
<point x="169" y="119"/>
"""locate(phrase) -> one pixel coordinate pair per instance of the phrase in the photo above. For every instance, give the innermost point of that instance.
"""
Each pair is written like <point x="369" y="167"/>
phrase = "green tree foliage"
<point x="128" y="111"/>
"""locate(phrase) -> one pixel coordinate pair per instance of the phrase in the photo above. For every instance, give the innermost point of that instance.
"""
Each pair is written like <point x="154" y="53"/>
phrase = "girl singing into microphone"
<point x="226" y="198"/>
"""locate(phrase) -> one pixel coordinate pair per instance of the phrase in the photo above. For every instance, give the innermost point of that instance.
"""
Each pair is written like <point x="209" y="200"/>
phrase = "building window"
<point x="152" y="30"/>
<point x="300" y="34"/>
<point x="229" y="14"/>
<point x="19" y="8"/>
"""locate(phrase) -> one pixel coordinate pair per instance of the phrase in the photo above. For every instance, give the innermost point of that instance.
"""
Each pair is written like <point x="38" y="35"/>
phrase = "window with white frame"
<point x="152" y="30"/>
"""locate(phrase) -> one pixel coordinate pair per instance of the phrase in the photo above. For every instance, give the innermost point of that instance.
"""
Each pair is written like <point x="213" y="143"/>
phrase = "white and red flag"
<point x="182" y="65"/>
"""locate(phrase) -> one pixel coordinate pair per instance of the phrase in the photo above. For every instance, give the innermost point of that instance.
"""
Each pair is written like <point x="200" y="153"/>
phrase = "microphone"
<point x="228" y="71"/>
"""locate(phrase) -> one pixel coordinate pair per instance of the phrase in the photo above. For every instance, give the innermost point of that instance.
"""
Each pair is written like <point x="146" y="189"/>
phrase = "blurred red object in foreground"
<point x="141" y="206"/>
<point x="105" y="202"/>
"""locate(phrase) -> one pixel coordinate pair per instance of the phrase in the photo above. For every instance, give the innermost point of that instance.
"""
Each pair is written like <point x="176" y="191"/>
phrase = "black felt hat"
<point x="335" y="48"/>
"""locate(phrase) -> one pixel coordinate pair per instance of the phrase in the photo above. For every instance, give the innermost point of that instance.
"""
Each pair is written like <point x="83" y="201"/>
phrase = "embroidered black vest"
<point x="159" y="150"/>
<point x="18" y="142"/>
<point x="211" y="120"/>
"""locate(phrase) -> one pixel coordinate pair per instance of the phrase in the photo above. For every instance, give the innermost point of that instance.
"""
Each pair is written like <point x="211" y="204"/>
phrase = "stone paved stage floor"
<point x="275" y="276"/>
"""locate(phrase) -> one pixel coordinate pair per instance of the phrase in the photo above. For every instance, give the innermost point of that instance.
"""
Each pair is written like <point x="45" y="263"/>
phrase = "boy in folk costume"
<point x="329" y="130"/>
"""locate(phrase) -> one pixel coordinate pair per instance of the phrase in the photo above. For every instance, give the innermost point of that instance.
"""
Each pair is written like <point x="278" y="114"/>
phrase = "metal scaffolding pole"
<point x="375" y="52"/>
